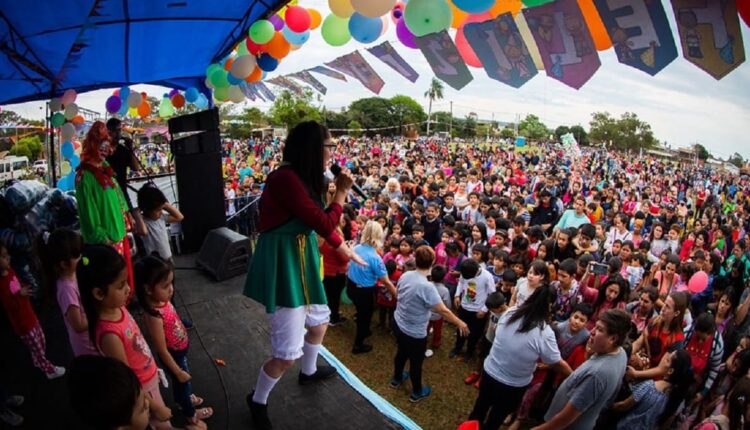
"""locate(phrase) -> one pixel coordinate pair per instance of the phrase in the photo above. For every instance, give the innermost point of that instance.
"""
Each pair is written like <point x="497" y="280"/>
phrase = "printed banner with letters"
<point x="387" y="54"/>
<point x="357" y="67"/>
<point x="443" y="56"/>
<point x="309" y="79"/>
<point x="285" y="83"/>
<point x="325" y="71"/>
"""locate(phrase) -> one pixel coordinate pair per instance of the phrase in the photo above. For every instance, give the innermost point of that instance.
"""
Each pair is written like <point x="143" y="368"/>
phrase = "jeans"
<point x="476" y="331"/>
<point x="497" y="398"/>
<point x="364" y="302"/>
<point x="334" y="285"/>
<point x="181" y="390"/>
<point x="412" y="349"/>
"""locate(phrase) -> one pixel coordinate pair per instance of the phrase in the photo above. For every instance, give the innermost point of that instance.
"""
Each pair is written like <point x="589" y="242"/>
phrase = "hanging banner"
<point x="446" y="62"/>
<point x="640" y="33"/>
<point x="389" y="56"/>
<point x="501" y="49"/>
<point x="710" y="34"/>
<point x="328" y="72"/>
<point x="564" y="42"/>
<point x="285" y="83"/>
<point x="357" y="67"/>
<point x="264" y="91"/>
<point x="309" y="79"/>
<point x="250" y="91"/>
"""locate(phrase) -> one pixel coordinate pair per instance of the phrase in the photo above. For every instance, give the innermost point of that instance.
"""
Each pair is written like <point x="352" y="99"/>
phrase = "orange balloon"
<point x="315" y="18"/>
<point x="602" y="41"/>
<point x="503" y="6"/>
<point x="228" y="64"/>
<point x="255" y="76"/>
<point x="78" y="119"/>
<point x="278" y="47"/>
<point x="144" y="109"/>
<point x="458" y="15"/>
<point x="178" y="101"/>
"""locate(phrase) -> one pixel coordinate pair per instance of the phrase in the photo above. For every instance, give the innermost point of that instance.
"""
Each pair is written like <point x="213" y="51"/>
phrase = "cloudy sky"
<point x="683" y="104"/>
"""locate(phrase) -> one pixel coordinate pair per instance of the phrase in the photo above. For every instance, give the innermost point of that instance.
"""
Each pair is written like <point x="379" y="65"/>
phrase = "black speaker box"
<point x="199" y="121"/>
<point x="225" y="254"/>
<point x="207" y="141"/>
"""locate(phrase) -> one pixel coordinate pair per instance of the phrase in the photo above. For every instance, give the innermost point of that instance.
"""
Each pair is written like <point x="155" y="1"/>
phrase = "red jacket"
<point x="18" y="307"/>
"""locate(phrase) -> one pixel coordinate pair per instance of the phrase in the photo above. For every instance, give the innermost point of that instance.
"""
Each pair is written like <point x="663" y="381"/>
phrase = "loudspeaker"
<point x="200" y="190"/>
<point x="225" y="253"/>
<point x="207" y="141"/>
<point x="199" y="121"/>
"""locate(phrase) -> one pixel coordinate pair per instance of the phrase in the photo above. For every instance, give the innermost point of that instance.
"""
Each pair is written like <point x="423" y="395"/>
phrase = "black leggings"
<point x="497" y="398"/>
<point x="412" y="349"/>
<point x="476" y="331"/>
<point x="334" y="285"/>
<point x="364" y="302"/>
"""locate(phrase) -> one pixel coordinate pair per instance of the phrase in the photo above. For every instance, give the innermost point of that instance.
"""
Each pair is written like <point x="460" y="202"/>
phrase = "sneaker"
<point x="340" y="321"/>
<point x="14" y="401"/>
<point x="428" y="353"/>
<point x="395" y="383"/>
<point x="322" y="372"/>
<point x="361" y="349"/>
<point x="259" y="413"/>
<point x="472" y="378"/>
<point x="416" y="397"/>
<point x="478" y="383"/>
<point x="58" y="372"/>
<point x="11" y="418"/>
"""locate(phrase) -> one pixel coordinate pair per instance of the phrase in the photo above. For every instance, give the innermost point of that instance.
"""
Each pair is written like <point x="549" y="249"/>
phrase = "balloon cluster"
<point x="126" y="102"/>
<point x="65" y="116"/>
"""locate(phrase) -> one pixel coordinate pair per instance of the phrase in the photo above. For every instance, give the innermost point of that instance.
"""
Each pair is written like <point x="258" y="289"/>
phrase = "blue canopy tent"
<point x="49" y="46"/>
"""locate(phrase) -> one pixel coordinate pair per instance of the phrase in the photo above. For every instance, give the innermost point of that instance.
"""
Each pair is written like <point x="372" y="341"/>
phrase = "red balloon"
<point x="469" y="425"/>
<point x="698" y="282"/>
<point x="178" y="100"/>
<point x="298" y="18"/>
<point x="466" y="51"/>
<point x="254" y="48"/>
<point x="743" y="8"/>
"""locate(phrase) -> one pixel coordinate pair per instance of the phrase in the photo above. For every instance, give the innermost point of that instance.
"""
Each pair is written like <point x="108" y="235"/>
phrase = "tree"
<point x="603" y="128"/>
<point x="560" y="131"/>
<point x="507" y="133"/>
<point x="532" y="128"/>
<point x="291" y="109"/>
<point x="407" y="111"/>
<point x="30" y="147"/>
<point x="737" y="160"/>
<point x="372" y="112"/>
<point x="435" y="92"/>
<point x="335" y="120"/>
<point x="626" y="133"/>
<point x="582" y="137"/>
<point x="356" y="128"/>
<point x="702" y="152"/>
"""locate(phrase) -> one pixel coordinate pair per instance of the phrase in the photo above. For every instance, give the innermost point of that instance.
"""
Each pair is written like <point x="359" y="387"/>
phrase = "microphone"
<point x="336" y="170"/>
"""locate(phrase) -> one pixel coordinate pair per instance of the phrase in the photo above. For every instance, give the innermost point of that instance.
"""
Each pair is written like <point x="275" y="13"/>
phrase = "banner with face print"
<point x="357" y="67"/>
<point x="442" y="55"/>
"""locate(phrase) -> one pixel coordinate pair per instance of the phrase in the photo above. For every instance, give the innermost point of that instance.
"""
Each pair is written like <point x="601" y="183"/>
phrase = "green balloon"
<point x="58" y="119"/>
<point x="335" y="30"/>
<point x="219" y="78"/>
<point x="532" y="3"/>
<point x="211" y="67"/>
<point x="261" y="31"/>
<point x="221" y="94"/>
<point x="242" y="49"/>
<point x="423" y="17"/>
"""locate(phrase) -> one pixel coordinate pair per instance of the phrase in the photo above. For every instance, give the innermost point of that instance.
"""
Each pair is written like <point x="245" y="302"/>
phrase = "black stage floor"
<point x="228" y="327"/>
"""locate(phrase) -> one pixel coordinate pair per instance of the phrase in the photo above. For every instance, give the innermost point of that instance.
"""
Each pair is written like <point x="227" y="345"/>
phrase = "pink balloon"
<point x="698" y="282"/>
<point x="466" y="51"/>
<point x="404" y="35"/>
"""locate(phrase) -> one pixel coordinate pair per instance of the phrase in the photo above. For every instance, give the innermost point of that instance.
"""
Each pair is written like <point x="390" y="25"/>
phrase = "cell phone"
<point x="599" y="269"/>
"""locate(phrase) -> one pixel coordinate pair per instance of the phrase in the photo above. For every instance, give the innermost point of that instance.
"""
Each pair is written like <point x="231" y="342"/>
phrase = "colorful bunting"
<point x="443" y="56"/>
<point x="309" y="79"/>
<point x="285" y="83"/>
<point x="640" y="32"/>
<point x="564" y="42"/>
<point x="710" y="35"/>
<point x="328" y="72"/>
<point x="357" y="67"/>
<point x="501" y="49"/>
<point x="264" y="91"/>
<point x="389" y="56"/>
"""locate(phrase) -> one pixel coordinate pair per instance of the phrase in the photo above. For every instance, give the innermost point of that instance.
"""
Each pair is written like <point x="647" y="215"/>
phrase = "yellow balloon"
<point x="133" y="112"/>
<point x="315" y="19"/>
<point x="65" y="168"/>
<point x="523" y="29"/>
<point x="341" y="8"/>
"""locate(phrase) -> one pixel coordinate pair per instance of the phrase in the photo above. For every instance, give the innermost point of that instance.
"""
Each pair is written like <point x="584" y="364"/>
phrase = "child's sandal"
<point x="195" y="400"/>
<point x="204" y="413"/>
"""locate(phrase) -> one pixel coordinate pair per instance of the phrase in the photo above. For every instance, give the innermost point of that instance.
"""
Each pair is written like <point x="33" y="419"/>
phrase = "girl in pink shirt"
<point x="153" y="283"/>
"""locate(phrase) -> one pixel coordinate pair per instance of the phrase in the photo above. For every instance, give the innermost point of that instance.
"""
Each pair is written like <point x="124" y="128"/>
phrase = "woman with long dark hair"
<point x="523" y="336"/>
<point x="285" y="271"/>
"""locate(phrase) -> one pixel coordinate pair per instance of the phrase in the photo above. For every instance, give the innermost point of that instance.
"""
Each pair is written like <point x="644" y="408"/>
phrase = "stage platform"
<point x="228" y="327"/>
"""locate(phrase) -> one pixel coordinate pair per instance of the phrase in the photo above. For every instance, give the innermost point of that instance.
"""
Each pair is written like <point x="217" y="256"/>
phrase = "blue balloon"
<point x="365" y="29"/>
<point x="474" y="6"/>
<point x="267" y="63"/>
<point x="192" y="94"/>
<point x="123" y="109"/>
<point x="65" y="183"/>
<point x="124" y="93"/>
<point x="202" y="102"/>
<point x="295" y="38"/>
<point x="75" y="161"/>
<point x="232" y="80"/>
<point x="67" y="150"/>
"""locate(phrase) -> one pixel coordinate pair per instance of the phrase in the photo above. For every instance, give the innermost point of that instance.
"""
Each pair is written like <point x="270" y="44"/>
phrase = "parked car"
<point x="40" y="167"/>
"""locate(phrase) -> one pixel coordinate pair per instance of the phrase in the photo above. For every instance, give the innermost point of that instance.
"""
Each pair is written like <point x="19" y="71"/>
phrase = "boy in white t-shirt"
<point x="473" y="288"/>
<point x="157" y="213"/>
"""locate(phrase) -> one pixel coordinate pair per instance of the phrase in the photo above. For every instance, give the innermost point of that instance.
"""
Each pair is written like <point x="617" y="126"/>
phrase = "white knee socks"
<point x="263" y="387"/>
<point x="310" y="358"/>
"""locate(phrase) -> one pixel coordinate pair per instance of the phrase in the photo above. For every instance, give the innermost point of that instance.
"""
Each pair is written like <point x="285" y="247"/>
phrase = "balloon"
<point x="341" y="8"/>
<point x="124" y="93"/>
<point x="404" y="35"/>
<point x="364" y="29"/>
<point x="384" y="20"/>
<point x="469" y="425"/>
<point x="133" y="112"/>
<point x="78" y="126"/>
<point x="165" y="108"/>
<point x="57" y="119"/>
<point x="211" y="67"/>
<point x="242" y="49"/>
<point x="743" y="8"/>
<point x="207" y="82"/>
<point x="501" y="7"/>
<point x="466" y="51"/>
<point x="123" y="110"/>
<point x="71" y="110"/>
<point x="222" y="94"/>
<point x="261" y="31"/>
<point x="202" y="102"/>
<point x="602" y="42"/>
<point x="698" y="282"/>
<point x="267" y="63"/>
<point x="232" y="80"/>
<point x="69" y="96"/>
<point x="423" y="17"/>
<point x="75" y="160"/>
<point x="278" y="47"/>
<point x="277" y="21"/>
<point x="66" y="149"/>
<point x="372" y="8"/>
<point x="532" y="3"/>
<point x="315" y="19"/>
<point x="235" y="92"/>
<point x="255" y="76"/>
<point x="191" y="94"/>
<point x="67" y="131"/>
<point x="178" y="101"/>
<point x="55" y="104"/>
<point x="228" y="63"/>
<point x="63" y="183"/>
<point x="134" y="100"/>
<point x="295" y="38"/>
<point x="65" y="167"/>
<point x="253" y="47"/>
<point x="78" y="119"/>
<point x="113" y="104"/>
<point x="173" y="92"/>
<point x="397" y="12"/>
<point x="144" y="109"/>
<point x="474" y="6"/>
<point x="242" y="66"/>
<point x="219" y="78"/>
<point x="297" y="19"/>
<point x="459" y="16"/>
<point x="335" y="30"/>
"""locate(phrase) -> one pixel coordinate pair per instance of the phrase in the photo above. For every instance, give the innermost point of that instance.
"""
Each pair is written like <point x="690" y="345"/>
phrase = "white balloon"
<point x="208" y="83"/>
<point x="67" y="131"/>
<point x="134" y="99"/>
<point x="69" y="96"/>
<point x="71" y="111"/>
<point x="242" y="66"/>
<point x="55" y="105"/>
<point x="235" y="94"/>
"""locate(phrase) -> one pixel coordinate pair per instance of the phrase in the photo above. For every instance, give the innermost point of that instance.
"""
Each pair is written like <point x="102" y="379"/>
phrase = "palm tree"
<point x="435" y="92"/>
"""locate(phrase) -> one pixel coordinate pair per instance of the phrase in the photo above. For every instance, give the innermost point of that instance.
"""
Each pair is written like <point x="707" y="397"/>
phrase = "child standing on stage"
<point x="153" y="283"/>
<point x="157" y="213"/>
<point x="15" y="298"/>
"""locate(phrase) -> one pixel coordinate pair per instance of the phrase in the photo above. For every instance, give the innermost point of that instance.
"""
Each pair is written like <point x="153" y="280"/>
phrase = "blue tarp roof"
<point x="49" y="46"/>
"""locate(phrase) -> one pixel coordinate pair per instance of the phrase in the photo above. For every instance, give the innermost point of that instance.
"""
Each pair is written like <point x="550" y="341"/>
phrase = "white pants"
<point x="288" y="328"/>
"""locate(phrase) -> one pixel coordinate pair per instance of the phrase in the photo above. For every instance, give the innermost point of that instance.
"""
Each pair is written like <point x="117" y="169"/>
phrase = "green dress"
<point x="100" y="210"/>
<point x="285" y="269"/>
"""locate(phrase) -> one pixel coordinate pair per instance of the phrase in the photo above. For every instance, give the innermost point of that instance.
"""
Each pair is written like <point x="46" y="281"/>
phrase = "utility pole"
<point x="450" y="132"/>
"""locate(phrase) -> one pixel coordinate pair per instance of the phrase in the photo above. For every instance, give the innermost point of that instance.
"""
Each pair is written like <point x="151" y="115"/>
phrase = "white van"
<point x="13" y="167"/>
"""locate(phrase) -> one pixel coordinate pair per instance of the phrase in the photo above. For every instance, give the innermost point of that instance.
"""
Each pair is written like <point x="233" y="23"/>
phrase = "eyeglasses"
<point x="329" y="146"/>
